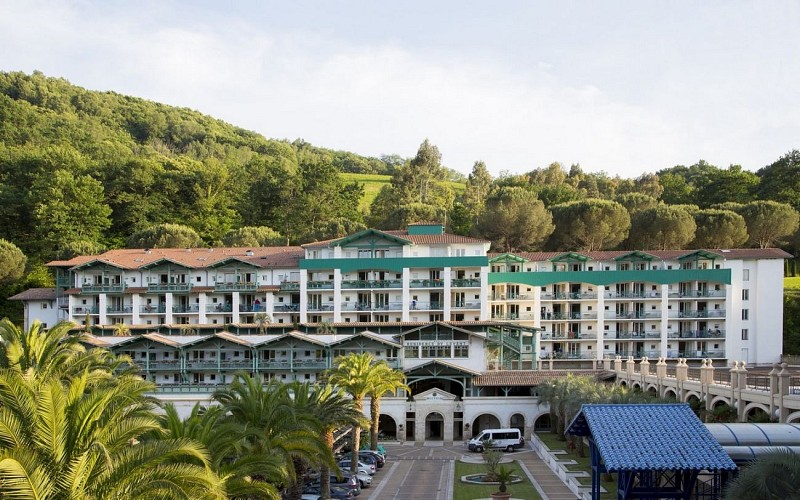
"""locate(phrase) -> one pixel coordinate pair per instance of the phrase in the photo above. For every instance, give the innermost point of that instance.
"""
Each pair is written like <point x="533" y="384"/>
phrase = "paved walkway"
<point x="425" y="472"/>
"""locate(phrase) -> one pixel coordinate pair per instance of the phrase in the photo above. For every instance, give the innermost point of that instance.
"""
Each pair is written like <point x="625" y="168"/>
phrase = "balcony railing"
<point x="153" y="309"/>
<point x="370" y="284"/>
<point x="632" y="295"/>
<point x="188" y="388"/>
<point x="701" y="293"/>
<point x="320" y="307"/>
<point x="119" y="309"/>
<point x="219" y="308"/>
<point x="190" y="308"/>
<point x="236" y="286"/>
<point x="368" y="306"/>
<point x="320" y="285"/>
<point x="170" y="365"/>
<point x="85" y="310"/>
<point x="113" y="288"/>
<point x="286" y="308"/>
<point x="168" y="287"/>
<point x="290" y="286"/>
<point x="511" y="296"/>
<point x="698" y="334"/>
<point x="466" y="305"/>
<point x="708" y="313"/>
<point x="465" y="283"/>
<point x="64" y="282"/>
<point x="426" y="283"/>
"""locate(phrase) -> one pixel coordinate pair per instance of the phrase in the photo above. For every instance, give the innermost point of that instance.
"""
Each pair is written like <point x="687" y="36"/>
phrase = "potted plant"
<point x="503" y="475"/>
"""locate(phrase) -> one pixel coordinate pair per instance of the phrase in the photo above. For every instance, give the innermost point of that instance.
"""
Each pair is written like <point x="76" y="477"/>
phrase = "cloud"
<point x="388" y="95"/>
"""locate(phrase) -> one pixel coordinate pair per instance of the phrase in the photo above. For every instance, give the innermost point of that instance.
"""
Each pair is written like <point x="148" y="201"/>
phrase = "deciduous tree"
<point x="769" y="222"/>
<point x="662" y="228"/>
<point x="165" y="236"/>
<point x="12" y="262"/>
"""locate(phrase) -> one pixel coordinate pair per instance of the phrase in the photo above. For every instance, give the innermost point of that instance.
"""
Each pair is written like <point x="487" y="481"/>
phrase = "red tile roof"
<point x="607" y="255"/>
<point x="506" y="378"/>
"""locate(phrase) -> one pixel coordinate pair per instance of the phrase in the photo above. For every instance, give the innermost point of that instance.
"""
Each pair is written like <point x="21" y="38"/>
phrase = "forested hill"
<point x="81" y="169"/>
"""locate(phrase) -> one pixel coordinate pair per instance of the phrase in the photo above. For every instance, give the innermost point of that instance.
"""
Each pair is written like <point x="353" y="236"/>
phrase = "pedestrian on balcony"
<point x="257" y="305"/>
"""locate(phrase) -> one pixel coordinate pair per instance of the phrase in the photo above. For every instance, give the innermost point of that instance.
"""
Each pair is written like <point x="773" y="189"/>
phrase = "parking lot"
<point x="425" y="472"/>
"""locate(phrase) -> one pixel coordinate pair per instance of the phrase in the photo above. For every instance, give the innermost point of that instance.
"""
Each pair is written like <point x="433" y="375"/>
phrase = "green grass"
<point x="373" y="183"/>
<point x="583" y="463"/>
<point x="465" y="491"/>
<point x="791" y="285"/>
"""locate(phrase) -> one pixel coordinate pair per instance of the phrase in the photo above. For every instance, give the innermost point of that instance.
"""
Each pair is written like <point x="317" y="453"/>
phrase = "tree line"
<point x="84" y="171"/>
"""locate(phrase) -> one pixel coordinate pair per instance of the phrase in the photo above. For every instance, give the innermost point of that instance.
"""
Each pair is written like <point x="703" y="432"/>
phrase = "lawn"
<point x="373" y="183"/>
<point x="583" y="464"/>
<point x="465" y="491"/>
<point x="792" y="285"/>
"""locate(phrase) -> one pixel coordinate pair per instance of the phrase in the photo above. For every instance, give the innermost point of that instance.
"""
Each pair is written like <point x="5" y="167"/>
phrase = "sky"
<point x="623" y="87"/>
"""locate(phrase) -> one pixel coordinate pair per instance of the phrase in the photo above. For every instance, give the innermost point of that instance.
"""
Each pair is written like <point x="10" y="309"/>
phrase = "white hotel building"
<point x="474" y="332"/>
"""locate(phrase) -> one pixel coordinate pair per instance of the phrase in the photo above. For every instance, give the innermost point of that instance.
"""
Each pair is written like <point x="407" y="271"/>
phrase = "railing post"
<point x="681" y="371"/>
<point x="704" y="372"/>
<point x="644" y="368"/>
<point x="661" y="368"/>
<point x="784" y="384"/>
<point x="618" y="364"/>
<point x="734" y="376"/>
<point x="774" y="385"/>
<point x="742" y="385"/>
<point x="607" y="363"/>
<point x="629" y="366"/>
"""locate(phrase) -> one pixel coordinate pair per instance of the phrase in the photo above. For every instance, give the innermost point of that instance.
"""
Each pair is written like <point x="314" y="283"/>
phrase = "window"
<point x="745" y="314"/>
<point x="745" y="275"/>
<point x="44" y="305"/>
<point x="745" y="334"/>
<point x="745" y="294"/>
<point x="461" y="351"/>
<point x="411" y="352"/>
<point x="197" y="279"/>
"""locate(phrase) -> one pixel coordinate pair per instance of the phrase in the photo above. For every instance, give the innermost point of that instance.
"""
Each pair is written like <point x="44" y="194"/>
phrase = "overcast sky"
<point x="621" y="87"/>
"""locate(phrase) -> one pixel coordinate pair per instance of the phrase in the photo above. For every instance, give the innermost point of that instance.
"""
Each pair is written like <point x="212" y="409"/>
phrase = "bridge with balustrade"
<point x="775" y="392"/>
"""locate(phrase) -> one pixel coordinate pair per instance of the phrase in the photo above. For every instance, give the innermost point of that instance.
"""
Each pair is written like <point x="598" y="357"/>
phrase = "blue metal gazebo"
<point x="656" y="450"/>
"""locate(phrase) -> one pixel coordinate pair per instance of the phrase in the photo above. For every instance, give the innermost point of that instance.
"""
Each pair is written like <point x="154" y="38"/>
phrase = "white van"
<point x="507" y="439"/>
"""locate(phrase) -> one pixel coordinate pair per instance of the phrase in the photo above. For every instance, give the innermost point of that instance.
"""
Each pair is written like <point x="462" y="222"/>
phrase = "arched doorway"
<point x="485" y="421"/>
<point x="542" y="423"/>
<point x="387" y="428"/>
<point x="518" y="422"/>
<point x="434" y="427"/>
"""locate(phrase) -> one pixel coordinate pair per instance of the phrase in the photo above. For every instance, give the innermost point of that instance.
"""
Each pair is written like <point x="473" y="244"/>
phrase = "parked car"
<point x="338" y="492"/>
<point x="380" y="460"/>
<point x="368" y="468"/>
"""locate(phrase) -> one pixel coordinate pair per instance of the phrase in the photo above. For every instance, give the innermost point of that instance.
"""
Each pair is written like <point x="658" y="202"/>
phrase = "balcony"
<point x="85" y="310"/>
<point x="465" y="283"/>
<point x="119" y="309"/>
<point x="368" y="306"/>
<point x="320" y="308"/>
<point x="168" y="287"/>
<point x="426" y="283"/>
<point x="699" y="334"/>
<point x="511" y="296"/>
<point x="153" y="309"/>
<point x="290" y="286"/>
<point x="64" y="282"/>
<point x="219" y="308"/>
<point x="466" y="305"/>
<point x="706" y="313"/>
<point x="236" y="286"/>
<point x="371" y="284"/>
<point x="286" y="308"/>
<point x="320" y="285"/>
<point x="188" y="388"/>
<point x="696" y="294"/>
<point x="112" y="288"/>
<point x="251" y="308"/>
<point x="165" y="365"/>
<point x="189" y="308"/>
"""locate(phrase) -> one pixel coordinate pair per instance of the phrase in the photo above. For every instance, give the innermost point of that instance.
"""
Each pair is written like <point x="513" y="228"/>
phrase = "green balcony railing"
<point x="290" y="286"/>
<point x="168" y="287"/>
<point x="236" y="286"/>
<point x="113" y="288"/>
<point x="465" y="282"/>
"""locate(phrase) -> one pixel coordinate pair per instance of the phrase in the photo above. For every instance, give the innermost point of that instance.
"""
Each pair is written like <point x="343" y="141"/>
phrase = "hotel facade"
<point x="474" y="332"/>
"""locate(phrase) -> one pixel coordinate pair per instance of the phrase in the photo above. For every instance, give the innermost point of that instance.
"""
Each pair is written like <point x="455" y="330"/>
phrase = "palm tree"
<point x="96" y="437"/>
<point x="56" y="351"/>
<point x="355" y="373"/>
<point x="272" y="422"/>
<point x="325" y="328"/>
<point x="121" y="329"/>
<point x="262" y="320"/>
<point x="386" y="380"/>
<point x="245" y="472"/>
<point x="334" y="409"/>
<point x="774" y="475"/>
